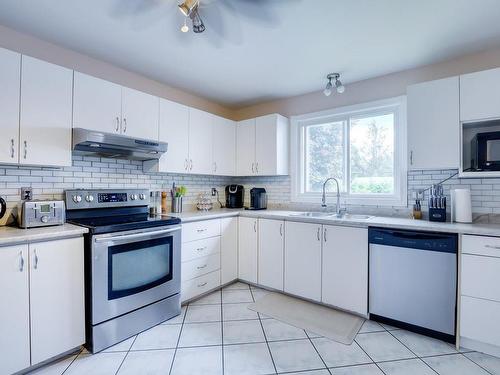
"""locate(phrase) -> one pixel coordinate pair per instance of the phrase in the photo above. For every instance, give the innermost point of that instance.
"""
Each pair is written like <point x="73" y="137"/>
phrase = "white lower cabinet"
<point x="229" y="249"/>
<point x="303" y="260"/>
<point x="247" y="249"/>
<point x="45" y="316"/>
<point x="14" y="313"/>
<point x="270" y="253"/>
<point x="57" y="303"/>
<point x="345" y="268"/>
<point x="480" y="298"/>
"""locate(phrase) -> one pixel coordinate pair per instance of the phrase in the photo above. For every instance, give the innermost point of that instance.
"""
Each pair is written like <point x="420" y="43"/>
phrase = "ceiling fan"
<point x="190" y="9"/>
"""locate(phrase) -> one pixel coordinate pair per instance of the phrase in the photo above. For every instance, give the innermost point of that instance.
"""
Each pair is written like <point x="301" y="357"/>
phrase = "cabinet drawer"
<point x="195" y="287"/>
<point x="200" y="229"/>
<point x="200" y="266"/>
<point x="481" y="277"/>
<point x="481" y="245"/>
<point x="479" y="320"/>
<point x="201" y="248"/>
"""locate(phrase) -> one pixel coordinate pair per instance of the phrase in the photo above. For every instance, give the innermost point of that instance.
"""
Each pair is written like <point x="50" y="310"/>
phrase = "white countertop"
<point x="13" y="235"/>
<point x="375" y="221"/>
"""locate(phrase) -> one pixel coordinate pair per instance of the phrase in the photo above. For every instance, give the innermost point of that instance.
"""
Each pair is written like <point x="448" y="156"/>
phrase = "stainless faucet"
<point x="323" y="198"/>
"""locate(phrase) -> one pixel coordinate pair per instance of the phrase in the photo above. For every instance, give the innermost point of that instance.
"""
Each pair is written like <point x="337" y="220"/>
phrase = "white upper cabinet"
<point x="174" y="129"/>
<point x="139" y="114"/>
<point x="345" y="268"/>
<point x="10" y="75"/>
<point x="271" y="145"/>
<point x="245" y="147"/>
<point x="262" y="146"/>
<point x="271" y="251"/>
<point x="97" y="104"/>
<point x="57" y="306"/>
<point x="45" y="113"/>
<point x="479" y="93"/>
<point x="433" y="124"/>
<point x="303" y="260"/>
<point x="200" y="142"/>
<point x="224" y="146"/>
<point x="14" y="314"/>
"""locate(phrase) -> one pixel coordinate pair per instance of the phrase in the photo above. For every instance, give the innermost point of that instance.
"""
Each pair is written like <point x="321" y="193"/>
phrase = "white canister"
<point x="461" y="206"/>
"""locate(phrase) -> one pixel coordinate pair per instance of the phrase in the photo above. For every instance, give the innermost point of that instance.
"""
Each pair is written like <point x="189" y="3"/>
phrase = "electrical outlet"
<point x="214" y="192"/>
<point x="420" y="194"/>
<point x="26" y="193"/>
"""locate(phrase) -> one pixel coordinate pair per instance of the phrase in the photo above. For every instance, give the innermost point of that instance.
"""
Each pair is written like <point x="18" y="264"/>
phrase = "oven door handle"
<point x="135" y="236"/>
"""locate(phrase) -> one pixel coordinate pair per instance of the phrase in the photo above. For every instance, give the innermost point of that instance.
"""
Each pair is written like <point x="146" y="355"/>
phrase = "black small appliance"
<point x="235" y="195"/>
<point x="485" y="151"/>
<point x="258" y="199"/>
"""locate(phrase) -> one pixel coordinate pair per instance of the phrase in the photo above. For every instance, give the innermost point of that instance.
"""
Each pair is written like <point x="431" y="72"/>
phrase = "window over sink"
<point x="362" y="146"/>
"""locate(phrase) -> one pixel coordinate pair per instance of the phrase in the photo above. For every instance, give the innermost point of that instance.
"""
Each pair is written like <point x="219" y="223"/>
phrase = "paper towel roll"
<point x="461" y="207"/>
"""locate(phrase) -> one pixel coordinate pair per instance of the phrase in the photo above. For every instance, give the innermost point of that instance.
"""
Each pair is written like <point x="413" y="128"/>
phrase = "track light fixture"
<point x="338" y="84"/>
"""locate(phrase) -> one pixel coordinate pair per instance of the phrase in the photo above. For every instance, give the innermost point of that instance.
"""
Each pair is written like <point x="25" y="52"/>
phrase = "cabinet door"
<point x="345" y="268"/>
<point x="245" y="146"/>
<point x="10" y="76"/>
<point x="46" y="106"/>
<point x="303" y="260"/>
<point x="139" y="114"/>
<point x="200" y="142"/>
<point x="433" y="124"/>
<point x="56" y="297"/>
<point x="174" y="129"/>
<point x="97" y="104"/>
<point x="14" y="313"/>
<point x="224" y="147"/>
<point x="229" y="249"/>
<point x="270" y="254"/>
<point x="247" y="249"/>
<point x="479" y="93"/>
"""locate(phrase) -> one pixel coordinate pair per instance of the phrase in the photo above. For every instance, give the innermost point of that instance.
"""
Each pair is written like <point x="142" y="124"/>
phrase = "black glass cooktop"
<point x="119" y="223"/>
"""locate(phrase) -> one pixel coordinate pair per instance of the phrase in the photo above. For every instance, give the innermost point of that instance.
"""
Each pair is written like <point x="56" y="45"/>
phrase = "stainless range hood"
<point x="91" y="142"/>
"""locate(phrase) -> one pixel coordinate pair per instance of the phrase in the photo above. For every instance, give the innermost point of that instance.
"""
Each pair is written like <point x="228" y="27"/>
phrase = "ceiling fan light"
<point x="188" y="6"/>
<point x="185" y="27"/>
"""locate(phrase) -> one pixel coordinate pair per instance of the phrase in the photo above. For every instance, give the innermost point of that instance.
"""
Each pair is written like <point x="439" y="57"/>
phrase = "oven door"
<point x="133" y="269"/>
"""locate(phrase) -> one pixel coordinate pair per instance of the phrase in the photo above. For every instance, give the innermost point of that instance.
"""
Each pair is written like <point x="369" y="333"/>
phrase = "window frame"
<point x="396" y="105"/>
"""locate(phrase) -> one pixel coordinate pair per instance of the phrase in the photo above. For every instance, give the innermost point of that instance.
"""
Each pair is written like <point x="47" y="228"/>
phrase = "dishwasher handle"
<point x="441" y="242"/>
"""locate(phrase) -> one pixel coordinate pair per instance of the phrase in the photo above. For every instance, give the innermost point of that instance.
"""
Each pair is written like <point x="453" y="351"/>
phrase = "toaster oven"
<point x="41" y="213"/>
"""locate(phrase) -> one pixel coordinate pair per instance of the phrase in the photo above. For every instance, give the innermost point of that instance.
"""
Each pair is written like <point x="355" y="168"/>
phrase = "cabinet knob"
<point x="21" y="262"/>
<point x="35" y="265"/>
<point x="117" y="124"/>
<point x="25" y="149"/>
<point x="124" y="125"/>
<point x="12" y="148"/>
<point x="411" y="157"/>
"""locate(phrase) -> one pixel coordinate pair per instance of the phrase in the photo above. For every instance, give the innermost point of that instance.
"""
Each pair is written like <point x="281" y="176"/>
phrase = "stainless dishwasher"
<point x="413" y="281"/>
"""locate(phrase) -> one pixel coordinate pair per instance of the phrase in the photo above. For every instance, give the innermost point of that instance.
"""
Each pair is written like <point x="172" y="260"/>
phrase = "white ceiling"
<point x="257" y="50"/>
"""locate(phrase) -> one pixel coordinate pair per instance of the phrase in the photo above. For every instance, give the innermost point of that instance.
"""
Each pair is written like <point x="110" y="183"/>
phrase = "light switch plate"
<point x="26" y="193"/>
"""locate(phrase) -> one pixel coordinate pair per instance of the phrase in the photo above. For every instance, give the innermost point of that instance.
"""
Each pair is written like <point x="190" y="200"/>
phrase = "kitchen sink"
<point x="312" y="214"/>
<point x="356" y="217"/>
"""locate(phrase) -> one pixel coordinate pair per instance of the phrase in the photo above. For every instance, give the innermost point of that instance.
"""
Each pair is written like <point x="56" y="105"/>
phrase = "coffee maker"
<point x="235" y="195"/>
<point x="258" y="199"/>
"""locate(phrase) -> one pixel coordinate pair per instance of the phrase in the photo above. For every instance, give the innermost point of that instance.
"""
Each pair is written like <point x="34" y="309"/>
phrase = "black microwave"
<point x="485" y="151"/>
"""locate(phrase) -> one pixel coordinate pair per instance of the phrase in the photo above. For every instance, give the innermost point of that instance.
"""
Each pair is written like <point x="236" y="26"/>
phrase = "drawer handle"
<point x="201" y="230"/>
<point x="492" y="247"/>
<point x="201" y="267"/>
<point x="202" y="285"/>
<point x="201" y="248"/>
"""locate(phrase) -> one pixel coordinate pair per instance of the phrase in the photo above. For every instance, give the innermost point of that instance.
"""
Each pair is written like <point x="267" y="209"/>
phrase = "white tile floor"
<point x="217" y="334"/>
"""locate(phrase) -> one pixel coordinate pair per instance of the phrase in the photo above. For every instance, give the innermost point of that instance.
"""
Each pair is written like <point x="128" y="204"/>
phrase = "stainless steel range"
<point x="132" y="263"/>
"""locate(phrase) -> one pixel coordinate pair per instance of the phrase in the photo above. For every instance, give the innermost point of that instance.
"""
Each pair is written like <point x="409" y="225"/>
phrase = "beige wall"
<point x="38" y="48"/>
<point x="372" y="89"/>
<point x="358" y="92"/>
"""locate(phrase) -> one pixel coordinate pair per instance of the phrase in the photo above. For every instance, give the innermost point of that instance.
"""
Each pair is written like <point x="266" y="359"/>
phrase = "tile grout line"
<point x="74" y="359"/>
<point x="416" y="355"/>
<point x="371" y="359"/>
<point x="317" y="351"/>
<point x="126" y="355"/>
<point x="477" y="364"/>
<point x="265" y="336"/>
<point x="222" y="332"/>
<point x="178" y="339"/>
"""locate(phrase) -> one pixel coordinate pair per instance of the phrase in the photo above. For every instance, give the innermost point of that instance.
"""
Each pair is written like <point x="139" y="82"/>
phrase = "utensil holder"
<point x="177" y="205"/>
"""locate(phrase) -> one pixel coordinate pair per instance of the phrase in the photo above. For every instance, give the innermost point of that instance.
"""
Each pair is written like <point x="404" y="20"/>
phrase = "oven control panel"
<point x="81" y="199"/>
